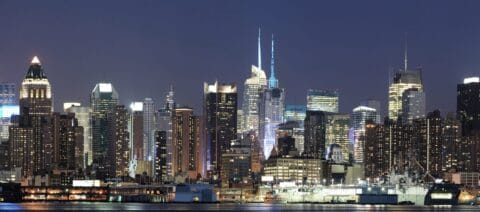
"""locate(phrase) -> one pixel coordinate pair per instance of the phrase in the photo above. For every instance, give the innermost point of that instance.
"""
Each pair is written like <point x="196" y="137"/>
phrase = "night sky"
<point x="143" y="46"/>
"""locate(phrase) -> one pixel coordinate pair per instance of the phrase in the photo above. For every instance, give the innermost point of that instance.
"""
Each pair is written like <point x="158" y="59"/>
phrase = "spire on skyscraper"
<point x="272" y="81"/>
<point x="405" y="60"/>
<point x="259" y="50"/>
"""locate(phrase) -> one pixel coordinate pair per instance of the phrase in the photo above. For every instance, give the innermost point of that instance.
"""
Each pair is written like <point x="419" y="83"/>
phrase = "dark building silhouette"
<point x="220" y="117"/>
<point x="315" y="126"/>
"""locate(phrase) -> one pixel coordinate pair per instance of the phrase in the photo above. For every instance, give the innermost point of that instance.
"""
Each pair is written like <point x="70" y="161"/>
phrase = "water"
<point x="76" y="206"/>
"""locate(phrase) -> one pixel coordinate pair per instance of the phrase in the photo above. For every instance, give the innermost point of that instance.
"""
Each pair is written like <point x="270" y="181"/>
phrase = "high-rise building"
<point x="295" y="113"/>
<point x="240" y="120"/>
<point x="375" y="104"/>
<point x="136" y="131"/>
<point x="315" y="126"/>
<point x="322" y="100"/>
<point x="253" y="87"/>
<point x="452" y="139"/>
<point x="468" y="105"/>
<point x="413" y="105"/>
<point x="148" y="129"/>
<point x="8" y="108"/>
<point x="163" y="121"/>
<point x="161" y="174"/>
<point x="67" y="137"/>
<point x="8" y="94"/>
<point x="118" y="151"/>
<point x="271" y="109"/>
<point x="220" y="117"/>
<point x="360" y="116"/>
<point x="84" y="116"/>
<point x="103" y="100"/>
<point x="186" y="140"/>
<point x="336" y="132"/>
<point x="30" y="149"/>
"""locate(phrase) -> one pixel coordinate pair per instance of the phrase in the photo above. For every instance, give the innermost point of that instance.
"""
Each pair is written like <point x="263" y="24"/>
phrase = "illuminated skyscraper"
<point x="29" y="148"/>
<point x="413" y="105"/>
<point x="337" y="129"/>
<point x="163" y="123"/>
<point x="84" y="117"/>
<point x="271" y="109"/>
<point x="186" y="142"/>
<point x="360" y="116"/>
<point x="375" y="104"/>
<point x="220" y="118"/>
<point x="103" y="100"/>
<point x="136" y="130"/>
<point x="402" y="80"/>
<point x="322" y="100"/>
<point x="253" y="87"/>
<point x="148" y="129"/>
<point x="295" y="113"/>
<point x="118" y="151"/>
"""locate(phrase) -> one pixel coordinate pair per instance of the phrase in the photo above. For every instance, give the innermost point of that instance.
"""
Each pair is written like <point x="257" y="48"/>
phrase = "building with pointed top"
<point x="271" y="108"/>
<point x="402" y="80"/>
<point x="29" y="148"/>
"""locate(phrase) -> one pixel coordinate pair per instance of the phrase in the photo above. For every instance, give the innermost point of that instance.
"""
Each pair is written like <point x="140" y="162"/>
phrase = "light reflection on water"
<point x="90" y="206"/>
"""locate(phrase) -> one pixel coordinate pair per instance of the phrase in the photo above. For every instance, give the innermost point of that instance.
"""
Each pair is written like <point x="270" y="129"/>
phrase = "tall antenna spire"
<point x="259" y="50"/>
<point x="405" y="60"/>
<point x="272" y="82"/>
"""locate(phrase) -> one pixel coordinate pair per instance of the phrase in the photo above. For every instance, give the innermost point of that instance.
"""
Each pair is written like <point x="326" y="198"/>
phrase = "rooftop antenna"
<point x="406" y="54"/>
<point x="259" y="50"/>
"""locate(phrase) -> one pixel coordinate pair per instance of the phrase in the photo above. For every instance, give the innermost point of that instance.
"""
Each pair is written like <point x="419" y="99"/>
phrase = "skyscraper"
<point x="413" y="105"/>
<point x="186" y="140"/>
<point x="118" y="151"/>
<point x="375" y="104"/>
<point x="8" y="108"/>
<point x="31" y="150"/>
<point x="84" y="116"/>
<point x="148" y="129"/>
<point x="315" y="126"/>
<point x="336" y="132"/>
<point x="163" y="121"/>
<point x="8" y="94"/>
<point x="295" y="113"/>
<point x="160" y="164"/>
<point x="322" y="100"/>
<point x="103" y="100"/>
<point x="360" y="116"/>
<point x="253" y="87"/>
<point x="468" y="105"/>
<point x="271" y="108"/>
<point x="220" y="117"/>
<point x="402" y="80"/>
<point x="136" y="130"/>
<point x="67" y="137"/>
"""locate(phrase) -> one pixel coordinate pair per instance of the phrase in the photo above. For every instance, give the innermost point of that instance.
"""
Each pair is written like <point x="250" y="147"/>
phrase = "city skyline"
<point x="142" y="60"/>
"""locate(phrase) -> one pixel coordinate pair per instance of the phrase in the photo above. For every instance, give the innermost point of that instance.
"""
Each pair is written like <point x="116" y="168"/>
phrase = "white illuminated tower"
<point x="253" y="88"/>
<point x="271" y="108"/>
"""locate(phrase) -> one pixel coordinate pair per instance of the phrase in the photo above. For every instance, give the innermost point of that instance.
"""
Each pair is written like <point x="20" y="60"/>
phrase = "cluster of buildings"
<point x="264" y="140"/>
